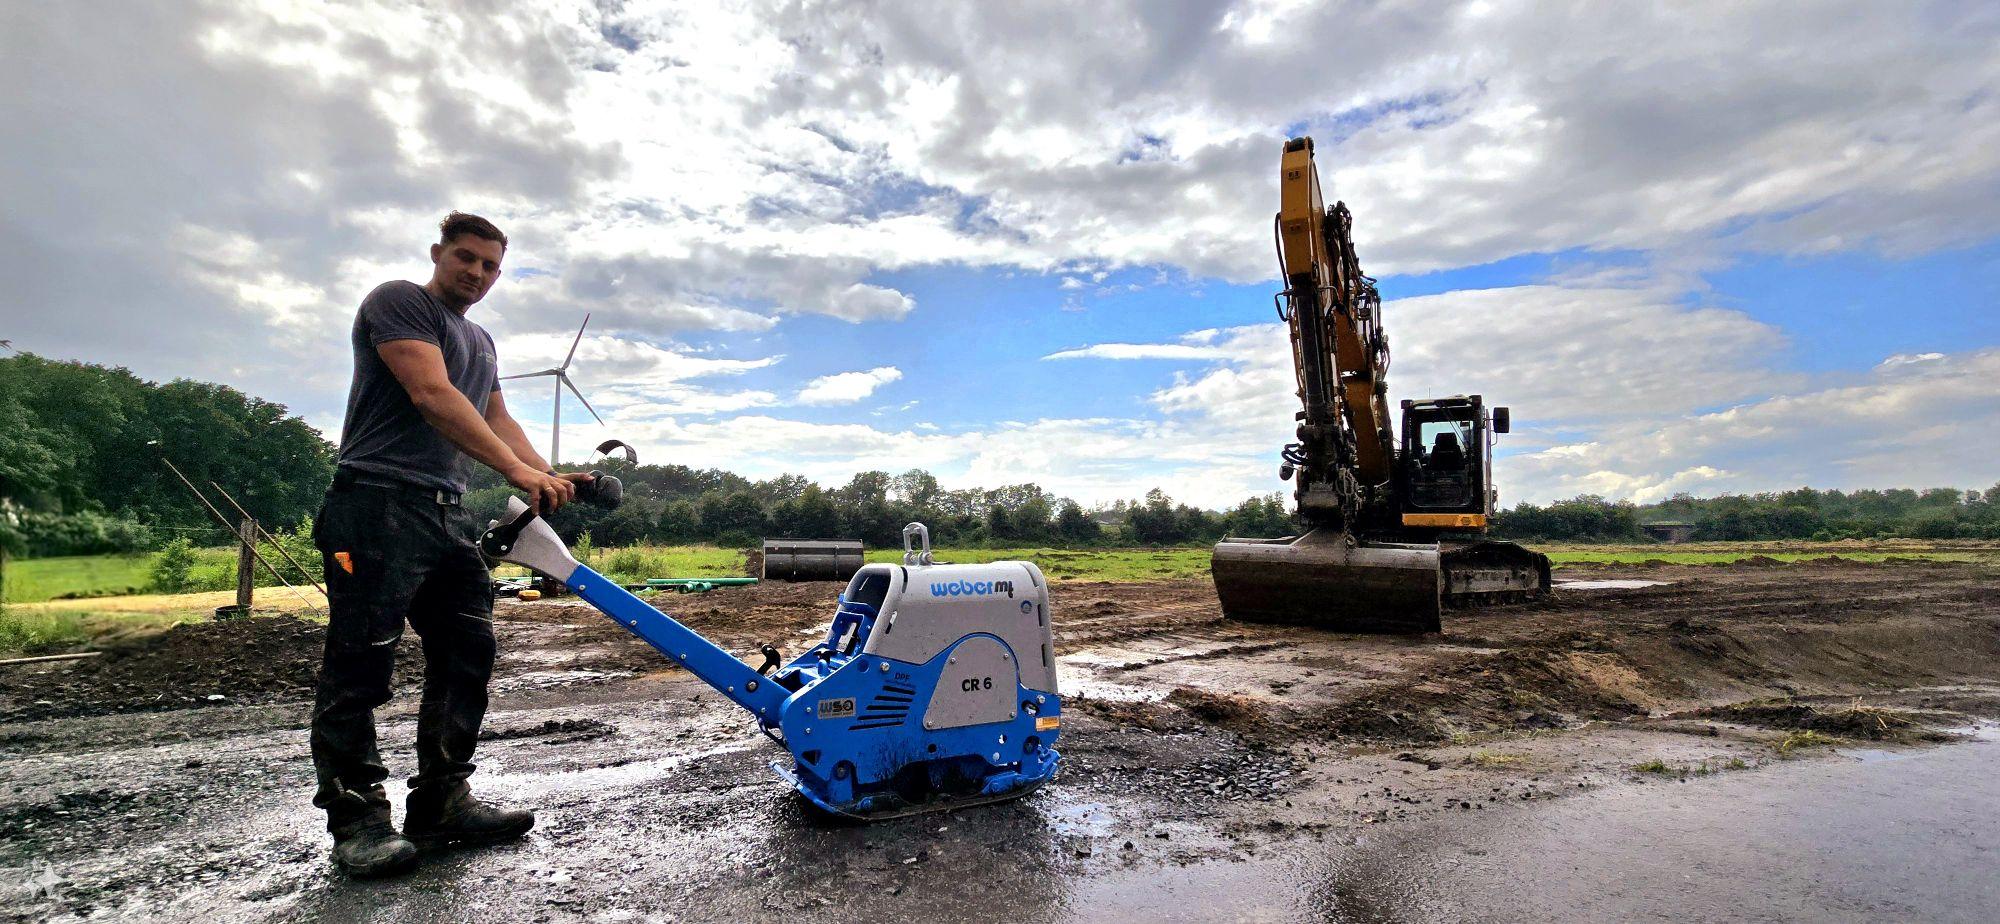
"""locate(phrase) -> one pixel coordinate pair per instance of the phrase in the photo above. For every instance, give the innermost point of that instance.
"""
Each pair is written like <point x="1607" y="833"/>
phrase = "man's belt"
<point x="345" y="478"/>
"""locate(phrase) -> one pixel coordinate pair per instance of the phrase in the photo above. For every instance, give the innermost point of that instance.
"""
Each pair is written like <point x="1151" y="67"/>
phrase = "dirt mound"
<point x="1522" y="688"/>
<point x="195" y="664"/>
<point x="1759" y="561"/>
<point x="1854" y="721"/>
<point x="564" y="731"/>
<point x="1233" y="712"/>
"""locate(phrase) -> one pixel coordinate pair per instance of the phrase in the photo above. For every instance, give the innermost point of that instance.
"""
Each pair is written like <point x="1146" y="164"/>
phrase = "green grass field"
<point x="1083" y="564"/>
<point x="67" y="602"/>
<point x="34" y="580"/>
<point x="1719" y="553"/>
<point x="84" y="576"/>
<point x="33" y="630"/>
<point x="71" y="577"/>
<point x="637" y="563"/>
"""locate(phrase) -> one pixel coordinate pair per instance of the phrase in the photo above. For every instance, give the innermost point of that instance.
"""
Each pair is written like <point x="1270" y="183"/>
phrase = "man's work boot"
<point x="438" y="817"/>
<point x="370" y="847"/>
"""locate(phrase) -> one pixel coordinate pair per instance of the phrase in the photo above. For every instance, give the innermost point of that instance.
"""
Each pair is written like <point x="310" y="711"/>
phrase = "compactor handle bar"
<point x="526" y="539"/>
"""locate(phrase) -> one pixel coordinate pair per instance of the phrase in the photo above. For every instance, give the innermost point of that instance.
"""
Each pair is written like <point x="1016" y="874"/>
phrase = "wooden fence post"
<point x="245" y="564"/>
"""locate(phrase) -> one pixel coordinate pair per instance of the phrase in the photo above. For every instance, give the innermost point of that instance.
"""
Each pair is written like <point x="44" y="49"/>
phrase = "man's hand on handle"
<point x="546" y="493"/>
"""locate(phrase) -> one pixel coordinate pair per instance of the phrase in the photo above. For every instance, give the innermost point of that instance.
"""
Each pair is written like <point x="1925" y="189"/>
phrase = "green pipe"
<point x="712" y="582"/>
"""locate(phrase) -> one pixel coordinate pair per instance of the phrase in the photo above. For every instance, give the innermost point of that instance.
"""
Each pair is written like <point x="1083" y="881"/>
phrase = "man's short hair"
<point x="458" y="223"/>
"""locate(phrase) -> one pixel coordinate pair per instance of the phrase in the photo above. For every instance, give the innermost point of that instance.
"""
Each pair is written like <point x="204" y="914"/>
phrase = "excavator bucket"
<point x="1321" y="579"/>
<point x="1490" y="571"/>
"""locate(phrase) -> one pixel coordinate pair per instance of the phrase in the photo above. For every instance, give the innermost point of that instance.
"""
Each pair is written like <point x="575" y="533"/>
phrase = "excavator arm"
<point x="1345" y="455"/>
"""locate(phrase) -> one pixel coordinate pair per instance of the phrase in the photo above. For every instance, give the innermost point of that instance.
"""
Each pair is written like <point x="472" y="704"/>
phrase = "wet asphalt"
<point x="653" y="804"/>
<point x="218" y="828"/>
<point x="1860" y="836"/>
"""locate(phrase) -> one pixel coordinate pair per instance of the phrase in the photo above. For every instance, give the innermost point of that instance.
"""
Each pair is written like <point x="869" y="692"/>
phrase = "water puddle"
<point x="529" y="786"/>
<point x="537" y="680"/>
<point x="1092" y="688"/>
<point x="1259" y="889"/>
<point x="1617" y="584"/>
<point x="1082" y="676"/>
<point x="1979" y="731"/>
<point x="1080" y="819"/>
<point x="1982" y="732"/>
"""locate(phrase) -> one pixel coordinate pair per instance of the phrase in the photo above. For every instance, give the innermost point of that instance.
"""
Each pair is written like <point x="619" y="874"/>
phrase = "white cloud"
<point x="680" y="168"/>
<point x="1139" y="351"/>
<point x="629" y="382"/>
<point x="847" y="387"/>
<point x="1216" y="441"/>
<point x="860" y="302"/>
<point x="1936" y="425"/>
<point x="616" y="360"/>
<point x="1613" y="392"/>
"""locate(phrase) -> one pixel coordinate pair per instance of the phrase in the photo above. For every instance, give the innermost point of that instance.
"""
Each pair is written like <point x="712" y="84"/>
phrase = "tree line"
<point x="670" y="504"/>
<point x="1801" y="513"/>
<point x="81" y="448"/>
<point x="81" y="473"/>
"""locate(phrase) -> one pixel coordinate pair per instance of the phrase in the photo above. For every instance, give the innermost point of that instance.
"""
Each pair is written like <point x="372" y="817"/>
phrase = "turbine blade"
<point x="579" y="397"/>
<point x="573" y="343"/>
<point x="530" y="375"/>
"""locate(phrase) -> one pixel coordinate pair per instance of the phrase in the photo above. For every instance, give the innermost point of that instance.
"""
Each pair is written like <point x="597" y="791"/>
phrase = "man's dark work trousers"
<point x="395" y="555"/>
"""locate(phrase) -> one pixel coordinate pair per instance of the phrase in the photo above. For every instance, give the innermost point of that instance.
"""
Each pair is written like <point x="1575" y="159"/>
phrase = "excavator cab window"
<point x="1442" y="452"/>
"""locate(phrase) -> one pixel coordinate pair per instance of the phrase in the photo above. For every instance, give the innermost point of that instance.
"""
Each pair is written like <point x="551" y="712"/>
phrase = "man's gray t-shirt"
<point x="384" y="435"/>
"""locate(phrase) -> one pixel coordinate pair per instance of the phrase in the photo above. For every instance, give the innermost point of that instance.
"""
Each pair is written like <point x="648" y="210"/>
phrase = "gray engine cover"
<point x="977" y="686"/>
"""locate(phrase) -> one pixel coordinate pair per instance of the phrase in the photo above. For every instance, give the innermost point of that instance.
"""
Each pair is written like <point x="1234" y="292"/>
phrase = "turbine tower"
<point x="561" y="374"/>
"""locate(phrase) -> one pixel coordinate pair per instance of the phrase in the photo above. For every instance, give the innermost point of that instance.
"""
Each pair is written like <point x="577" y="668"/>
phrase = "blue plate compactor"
<point x="934" y="688"/>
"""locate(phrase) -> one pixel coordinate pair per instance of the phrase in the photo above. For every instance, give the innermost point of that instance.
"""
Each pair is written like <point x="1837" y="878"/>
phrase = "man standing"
<point x="399" y="547"/>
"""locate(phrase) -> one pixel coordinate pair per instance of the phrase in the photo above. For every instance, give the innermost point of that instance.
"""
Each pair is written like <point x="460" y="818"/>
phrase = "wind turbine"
<point x="561" y="374"/>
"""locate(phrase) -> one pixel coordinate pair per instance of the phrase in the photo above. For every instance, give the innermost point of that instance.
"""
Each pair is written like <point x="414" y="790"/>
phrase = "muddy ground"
<point x="169" y="779"/>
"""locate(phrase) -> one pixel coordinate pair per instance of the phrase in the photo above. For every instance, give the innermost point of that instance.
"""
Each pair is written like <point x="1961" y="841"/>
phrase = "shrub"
<point x="298" y="543"/>
<point x="85" y="533"/>
<point x="173" y="567"/>
<point x="634" y="563"/>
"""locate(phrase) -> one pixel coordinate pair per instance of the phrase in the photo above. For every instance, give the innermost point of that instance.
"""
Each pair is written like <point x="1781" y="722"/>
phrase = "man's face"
<point x="466" y="268"/>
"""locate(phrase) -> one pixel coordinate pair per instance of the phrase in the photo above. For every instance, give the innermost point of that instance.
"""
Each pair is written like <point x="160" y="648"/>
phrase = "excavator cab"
<point x="1445" y="462"/>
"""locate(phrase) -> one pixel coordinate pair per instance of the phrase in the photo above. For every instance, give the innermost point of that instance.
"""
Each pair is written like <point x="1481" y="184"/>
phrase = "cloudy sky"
<point x="1709" y="248"/>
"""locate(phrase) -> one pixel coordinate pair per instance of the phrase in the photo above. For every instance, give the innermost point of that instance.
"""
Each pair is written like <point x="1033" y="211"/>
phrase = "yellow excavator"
<point x="1391" y="531"/>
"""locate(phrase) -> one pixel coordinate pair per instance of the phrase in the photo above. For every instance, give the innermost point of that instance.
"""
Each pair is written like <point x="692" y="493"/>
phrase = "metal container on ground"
<point x="811" y="559"/>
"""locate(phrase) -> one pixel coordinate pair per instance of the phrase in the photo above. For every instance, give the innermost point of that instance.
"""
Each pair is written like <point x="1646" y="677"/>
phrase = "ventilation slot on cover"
<point x="889" y="708"/>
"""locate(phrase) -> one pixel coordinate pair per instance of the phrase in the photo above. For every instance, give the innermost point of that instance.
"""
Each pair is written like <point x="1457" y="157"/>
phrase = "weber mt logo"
<point x="972" y="588"/>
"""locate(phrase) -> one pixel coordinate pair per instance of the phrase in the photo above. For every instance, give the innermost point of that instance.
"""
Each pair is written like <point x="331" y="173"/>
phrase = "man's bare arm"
<point x="509" y="431"/>
<point x="419" y="366"/>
